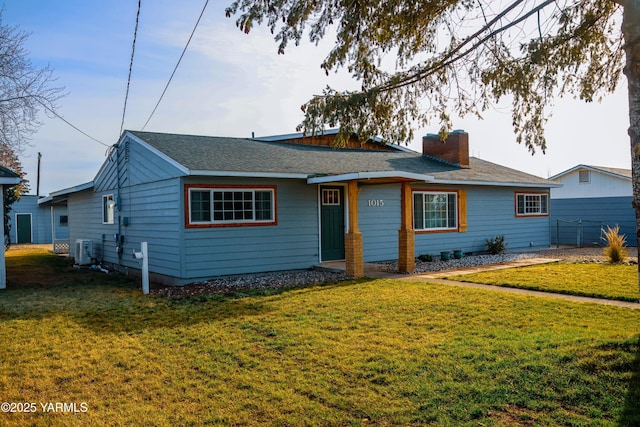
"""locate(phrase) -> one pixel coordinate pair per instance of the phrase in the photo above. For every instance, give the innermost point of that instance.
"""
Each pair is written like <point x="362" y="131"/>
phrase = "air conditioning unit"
<point x="83" y="252"/>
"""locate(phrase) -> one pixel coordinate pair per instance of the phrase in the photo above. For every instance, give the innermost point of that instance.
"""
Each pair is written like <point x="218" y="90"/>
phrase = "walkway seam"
<point x="439" y="278"/>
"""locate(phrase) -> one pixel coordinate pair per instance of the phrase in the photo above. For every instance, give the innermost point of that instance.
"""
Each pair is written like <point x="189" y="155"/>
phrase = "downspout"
<point x="38" y="178"/>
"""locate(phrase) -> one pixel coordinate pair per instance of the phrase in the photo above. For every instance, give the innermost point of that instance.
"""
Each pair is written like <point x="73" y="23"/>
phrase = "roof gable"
<point x="614" y="172"/>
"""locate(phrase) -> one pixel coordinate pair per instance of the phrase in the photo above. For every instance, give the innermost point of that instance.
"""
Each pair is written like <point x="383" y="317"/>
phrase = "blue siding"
<point x="149" y="192"/>
<point x="147" y="167"/>
<point x="379" y="221"/>
<point x="594" y="212"/>
<point x="490" y="212"/>
<point x="40" y="220"/>
<point x="291" y="244"/>
<point x="61" y="229"/>
<point x="148" y="212"/>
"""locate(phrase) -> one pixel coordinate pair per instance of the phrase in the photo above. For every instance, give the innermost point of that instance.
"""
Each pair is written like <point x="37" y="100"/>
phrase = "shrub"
<point x="425" y="257"/>
<point x="615" y="250"/>
<point x="496" y="245"/>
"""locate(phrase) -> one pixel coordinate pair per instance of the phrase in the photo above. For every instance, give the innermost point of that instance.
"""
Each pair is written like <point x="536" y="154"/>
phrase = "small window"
<point x="584" y="176"/>
<point x="435" y="211"/>
<point x="532" y="204"/>
<point x="228" y="206"/>
<point x="331" y="197"/>
<point x="108" y="209"/>
<point x="64" y="220"/>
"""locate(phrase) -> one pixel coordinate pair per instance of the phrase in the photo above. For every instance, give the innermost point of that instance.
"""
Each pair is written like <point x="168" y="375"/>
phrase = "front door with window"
<point x="23" y="228"/>
<point x="332" y="223"/>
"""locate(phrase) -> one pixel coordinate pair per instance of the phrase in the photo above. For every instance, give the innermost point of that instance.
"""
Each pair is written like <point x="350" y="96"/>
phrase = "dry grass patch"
<point x="357" y="353"/>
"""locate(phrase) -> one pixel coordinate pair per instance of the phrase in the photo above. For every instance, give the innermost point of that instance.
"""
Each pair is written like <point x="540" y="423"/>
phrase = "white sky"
<point x="232" y="84"/>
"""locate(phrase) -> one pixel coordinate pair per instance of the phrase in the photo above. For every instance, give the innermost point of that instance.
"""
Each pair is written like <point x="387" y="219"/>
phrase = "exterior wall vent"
<point x="584" y="176"/>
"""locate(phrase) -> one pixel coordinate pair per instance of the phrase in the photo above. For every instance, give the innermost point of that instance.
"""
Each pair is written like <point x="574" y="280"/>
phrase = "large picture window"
<point x="231" y="206"/>
<point x="435" y="211"/>
<point x="532" y="204"/>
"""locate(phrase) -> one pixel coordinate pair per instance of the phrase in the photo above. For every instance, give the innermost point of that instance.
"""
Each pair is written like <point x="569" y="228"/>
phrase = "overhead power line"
<point x="133" y="51"/>
<point x="177" y="64"/>
<point x="72" y="125"/>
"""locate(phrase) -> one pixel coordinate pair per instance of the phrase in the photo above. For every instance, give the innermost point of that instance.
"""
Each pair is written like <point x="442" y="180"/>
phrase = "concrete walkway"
<point x="376" y="271"/>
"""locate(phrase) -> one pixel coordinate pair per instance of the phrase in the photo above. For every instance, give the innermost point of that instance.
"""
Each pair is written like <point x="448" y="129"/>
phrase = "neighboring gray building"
<point x="211" y="206"/>
<point x="32" y="222"/>
<point x="590" y="198"/>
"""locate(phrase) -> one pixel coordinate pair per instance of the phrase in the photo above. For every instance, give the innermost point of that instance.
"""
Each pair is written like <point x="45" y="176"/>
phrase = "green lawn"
<point x="369" y="352"/>
<point x="611" y="281"/>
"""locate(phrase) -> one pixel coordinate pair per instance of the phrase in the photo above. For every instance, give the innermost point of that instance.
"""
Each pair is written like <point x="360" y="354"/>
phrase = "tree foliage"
<point x="25" y="90"/>
<point x="460" y="57"/>
<point x="451" y="57"/>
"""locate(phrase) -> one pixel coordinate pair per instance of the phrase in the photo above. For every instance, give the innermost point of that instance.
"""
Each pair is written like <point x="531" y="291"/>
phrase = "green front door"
<point x="332" y="223"/>
<point x="23" y="228"/>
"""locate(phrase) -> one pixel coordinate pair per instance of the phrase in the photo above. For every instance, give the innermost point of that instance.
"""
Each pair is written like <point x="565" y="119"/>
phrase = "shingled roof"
<point x="237" y="156"/>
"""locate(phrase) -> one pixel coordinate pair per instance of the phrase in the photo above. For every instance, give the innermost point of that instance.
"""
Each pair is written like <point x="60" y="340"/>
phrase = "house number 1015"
<point x="378" y="203"/>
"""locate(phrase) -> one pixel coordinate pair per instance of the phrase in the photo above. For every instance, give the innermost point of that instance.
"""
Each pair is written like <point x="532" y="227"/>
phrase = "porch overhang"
<point x="60" y="197"/>
<point x="382" y="176"/>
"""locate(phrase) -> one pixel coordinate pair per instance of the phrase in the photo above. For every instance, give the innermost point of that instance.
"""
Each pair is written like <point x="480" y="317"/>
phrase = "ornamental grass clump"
<point x="615" y="250"/>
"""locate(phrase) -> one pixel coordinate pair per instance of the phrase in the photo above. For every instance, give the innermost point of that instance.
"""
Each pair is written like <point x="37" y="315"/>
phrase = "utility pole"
<point x="38" y="177"/>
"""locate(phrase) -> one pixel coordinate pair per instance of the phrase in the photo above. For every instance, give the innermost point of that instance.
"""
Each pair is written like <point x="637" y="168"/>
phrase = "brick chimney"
<point x="454" y="150"/>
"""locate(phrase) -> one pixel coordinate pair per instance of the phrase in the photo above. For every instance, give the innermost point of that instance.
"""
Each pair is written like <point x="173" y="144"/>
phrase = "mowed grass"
<point x="611" y="281"/>
<point x="369" y="352"/>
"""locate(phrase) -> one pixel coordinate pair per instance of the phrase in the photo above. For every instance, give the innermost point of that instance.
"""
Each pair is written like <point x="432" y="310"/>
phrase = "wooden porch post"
<point x="354" y="259"/>
<point x="406" y="234"/>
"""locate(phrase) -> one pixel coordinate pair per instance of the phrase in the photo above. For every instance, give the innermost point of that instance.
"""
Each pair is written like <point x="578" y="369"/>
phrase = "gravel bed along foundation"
<point x="301" y="278"/>
<point x="454" y="264"/>
<point x="258" y="281"/>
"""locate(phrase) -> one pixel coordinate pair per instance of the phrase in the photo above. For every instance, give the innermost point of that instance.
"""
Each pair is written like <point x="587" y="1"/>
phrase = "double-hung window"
<point x="211" y="206"/>
<point x="108" y="209"/>
<point x="433" y="211"/>
<point x="532" y="204"/>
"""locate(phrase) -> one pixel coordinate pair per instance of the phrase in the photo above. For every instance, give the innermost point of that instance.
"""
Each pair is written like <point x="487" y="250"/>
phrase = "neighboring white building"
<point x="592" y="197"/>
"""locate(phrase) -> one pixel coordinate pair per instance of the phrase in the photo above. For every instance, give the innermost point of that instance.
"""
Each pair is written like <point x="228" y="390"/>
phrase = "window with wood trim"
<point x="532" y="204"/>
<point x="433" y="211"/>
<point x="229" y="206"/>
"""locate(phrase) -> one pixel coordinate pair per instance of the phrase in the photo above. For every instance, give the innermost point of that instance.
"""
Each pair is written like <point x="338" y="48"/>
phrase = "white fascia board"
<point x="236" y="174"/>
<point x="66" y="191"/>
<point x="497" y="184"/>
<point x="182" y="168"/>
<point x="591" y="168"/>
<point x="45" y="199"/>
<point x="10" y="181"/>
<point x="73" y="189"/>
<point x="369" y="175"/>
<point x="568" y="171"/>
